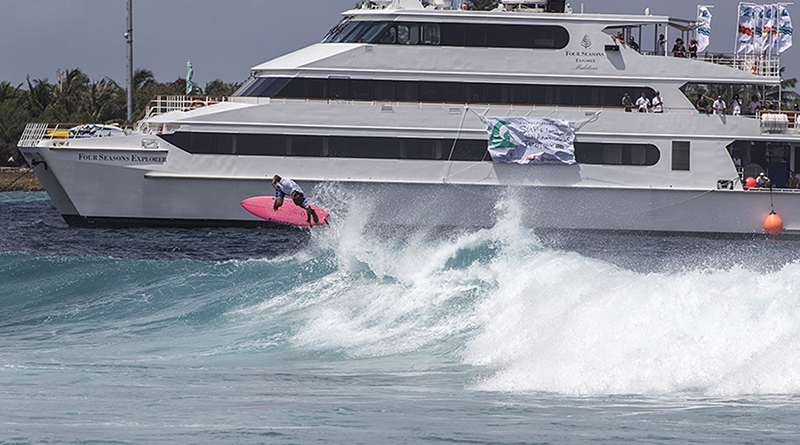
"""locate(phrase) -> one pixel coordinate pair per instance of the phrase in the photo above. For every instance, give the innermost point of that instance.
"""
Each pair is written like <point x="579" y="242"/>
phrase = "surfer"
<point x="287" y="187"/>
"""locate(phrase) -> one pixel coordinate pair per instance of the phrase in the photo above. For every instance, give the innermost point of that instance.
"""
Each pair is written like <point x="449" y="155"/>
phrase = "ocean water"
<point x="355" y="334"/>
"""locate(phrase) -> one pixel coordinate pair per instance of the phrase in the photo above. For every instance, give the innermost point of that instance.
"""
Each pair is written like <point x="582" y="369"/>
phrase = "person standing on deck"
<point x="719" y="106"/>
<point x="643" y="103"/>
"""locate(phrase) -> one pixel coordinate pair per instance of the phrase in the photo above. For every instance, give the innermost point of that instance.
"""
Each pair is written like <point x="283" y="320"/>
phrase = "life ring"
<point x="197" y="104"/>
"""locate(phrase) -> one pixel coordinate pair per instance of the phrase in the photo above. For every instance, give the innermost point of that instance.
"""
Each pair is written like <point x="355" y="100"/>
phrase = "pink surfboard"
<point x="288" y="214"/>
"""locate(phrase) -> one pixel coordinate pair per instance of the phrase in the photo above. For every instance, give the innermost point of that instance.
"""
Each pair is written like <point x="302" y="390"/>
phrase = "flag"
<point x="770" y="28"/>
<point x="758" y="28"/>
<point x="523" y="140"/>
<point x="747" y="19"/>
<point x="703" y="28"/>
<point x="189" y="74"/>
<point x="785" y="30"/>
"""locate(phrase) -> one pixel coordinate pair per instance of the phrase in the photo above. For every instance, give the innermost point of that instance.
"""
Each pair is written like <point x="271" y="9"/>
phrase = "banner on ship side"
<point x="523" y="140"/>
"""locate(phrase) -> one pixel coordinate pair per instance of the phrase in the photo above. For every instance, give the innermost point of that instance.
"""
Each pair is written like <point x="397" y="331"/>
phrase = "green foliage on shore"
<point x="74" y="98"/>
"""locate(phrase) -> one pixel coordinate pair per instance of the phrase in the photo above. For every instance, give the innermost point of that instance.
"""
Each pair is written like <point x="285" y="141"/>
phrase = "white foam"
<point x="580" y="326"/>
<point x="539" y="319"/>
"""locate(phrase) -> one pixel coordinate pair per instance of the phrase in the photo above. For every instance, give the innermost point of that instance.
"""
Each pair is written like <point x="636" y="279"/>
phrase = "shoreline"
<point x="19" y="179"/>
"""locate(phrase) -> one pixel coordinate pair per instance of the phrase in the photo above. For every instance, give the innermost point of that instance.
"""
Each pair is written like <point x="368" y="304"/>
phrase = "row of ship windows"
<point x="449" y="92"/>
<point x="449" y="34"/>
<point x="390" y="148"/>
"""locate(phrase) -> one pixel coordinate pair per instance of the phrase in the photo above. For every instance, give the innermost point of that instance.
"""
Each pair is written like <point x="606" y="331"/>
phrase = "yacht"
<point x="387" y="116"/>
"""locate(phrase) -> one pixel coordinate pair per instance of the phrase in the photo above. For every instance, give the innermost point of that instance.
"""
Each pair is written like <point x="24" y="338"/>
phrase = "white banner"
<point x="784" y="30"/>
<point x="770" y="31"/>
<point x="747" y="21"/>
<point x="758" y="29"/>
<point x="523" y="140"/>
<point x="703" y="28"/>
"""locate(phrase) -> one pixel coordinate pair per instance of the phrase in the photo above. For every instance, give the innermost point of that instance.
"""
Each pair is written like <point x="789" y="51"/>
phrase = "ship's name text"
<point x="132" y="158"/>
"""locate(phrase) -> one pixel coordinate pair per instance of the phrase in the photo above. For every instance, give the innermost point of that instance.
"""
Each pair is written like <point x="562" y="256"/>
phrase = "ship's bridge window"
<point x="431" y="34"/>
<point x="408" y="34"/>
<point x="348" y="31"/>
<point x="474" y="35"/>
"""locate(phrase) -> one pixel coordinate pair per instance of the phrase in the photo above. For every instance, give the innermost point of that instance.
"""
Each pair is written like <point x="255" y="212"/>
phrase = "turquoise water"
<point x="355" y="335"/>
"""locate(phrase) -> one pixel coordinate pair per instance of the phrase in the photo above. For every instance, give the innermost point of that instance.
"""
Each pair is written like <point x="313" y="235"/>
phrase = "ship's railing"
<point x="32" y="134"/>
<point x="767" y="65"/>
<point x="777" y="122"/>
<point x="165" y="104"/>
<point x="35" y="133"/>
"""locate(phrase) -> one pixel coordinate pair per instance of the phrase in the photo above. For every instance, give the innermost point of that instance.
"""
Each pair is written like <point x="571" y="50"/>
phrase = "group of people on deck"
<point x="720" y="107"/>
<point x="644" y="104"/>
<point x="678" y="50"/>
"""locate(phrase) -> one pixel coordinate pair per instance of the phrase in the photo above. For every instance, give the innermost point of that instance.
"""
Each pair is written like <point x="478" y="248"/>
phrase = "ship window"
<point x="384" y="90"/>
<point x="352" y="32"/>
<point x="431" y="34"/>
<point x="408" y="34"/>
<point x="616" y="154"/>
<point x="296" y="88"/>
<point x="263" y="87"/>
<point x="315" y="88"/>
<point x="450" y="34"/>
<point x="375" y="30"/>
<point x="476" y="36"/>
<point x="389" y="37"/>
<point x="338" y="89"/>
<point x="509" y="36"/>
<point x="454" y="34"/>
<point x="680" y="155"/>
<point x="334" y="33"/>
<point x="545" y="37"/>
<point x="362" y="90"/>
<point x="407" y="91"/>
<point x="304" y="146"/>
<point x="426" y="91"/>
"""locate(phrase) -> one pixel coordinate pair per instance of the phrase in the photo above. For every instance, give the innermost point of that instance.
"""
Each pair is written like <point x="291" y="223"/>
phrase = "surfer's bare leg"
<point x="278" y="202"/>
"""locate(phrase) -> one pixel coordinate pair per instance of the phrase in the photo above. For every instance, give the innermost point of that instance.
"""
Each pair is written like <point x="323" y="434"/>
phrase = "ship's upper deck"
<point x="408" y="24"/>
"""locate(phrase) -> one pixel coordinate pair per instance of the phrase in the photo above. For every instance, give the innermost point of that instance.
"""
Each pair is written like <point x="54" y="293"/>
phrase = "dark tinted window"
<point x="450" y="34"/>
<point x="616" y="154"/>
<point x="680" y="155"/>
<point x="393" y="148"/>
<point x="452" y="92"/>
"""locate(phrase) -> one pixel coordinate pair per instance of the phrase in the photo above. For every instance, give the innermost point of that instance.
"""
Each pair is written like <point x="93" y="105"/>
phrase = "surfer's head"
<point x="298" y="198"/>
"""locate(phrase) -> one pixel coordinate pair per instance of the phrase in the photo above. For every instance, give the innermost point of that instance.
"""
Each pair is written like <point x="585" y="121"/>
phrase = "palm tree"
<point x="40" y="94"/>
<point x="783" y="94"/>
<point x="71" y="90"/>
<point x="7" y="91"/>
<point x="101" y="101"/>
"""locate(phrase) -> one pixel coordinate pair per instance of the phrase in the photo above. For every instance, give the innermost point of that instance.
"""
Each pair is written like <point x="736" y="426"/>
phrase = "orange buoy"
<point x="773" y="224"/>
<point x="750" y="183"/>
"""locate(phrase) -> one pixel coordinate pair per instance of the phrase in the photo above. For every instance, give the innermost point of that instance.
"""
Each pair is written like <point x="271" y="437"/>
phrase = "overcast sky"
<point x="224" y="39"/>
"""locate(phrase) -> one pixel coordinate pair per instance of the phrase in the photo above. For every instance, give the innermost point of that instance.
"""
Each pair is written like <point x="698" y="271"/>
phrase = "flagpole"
<point x="129" y="39"/>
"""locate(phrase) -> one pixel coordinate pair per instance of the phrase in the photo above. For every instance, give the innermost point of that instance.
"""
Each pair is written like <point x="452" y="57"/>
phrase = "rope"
<point x="453" y="148"/>
<point x="7" y="186"/>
